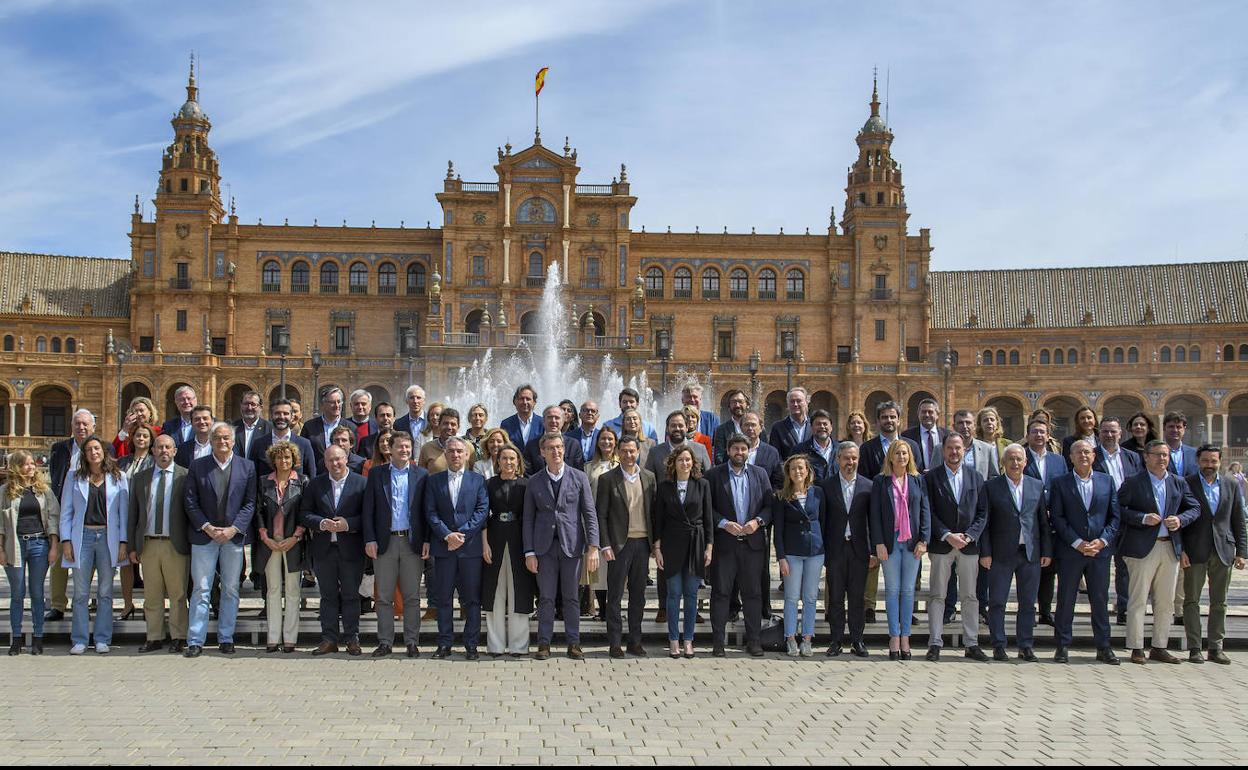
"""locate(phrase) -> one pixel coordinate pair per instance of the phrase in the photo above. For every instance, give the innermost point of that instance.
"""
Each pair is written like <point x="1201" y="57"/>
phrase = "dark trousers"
<point x="339" y="582"/>
<point x="1044" y="594"/>
<point x="630" y="568"/>
<point x="1007" y="568"/>
<point x="735" y="563"/>
<point x="764" y="606"/>
<point x="451" y="574"/>
<point x="1071" y="567"/>
<point x="1122" y="582"/>
<point x="847" y="581"/>
<point x="558" y="572"/>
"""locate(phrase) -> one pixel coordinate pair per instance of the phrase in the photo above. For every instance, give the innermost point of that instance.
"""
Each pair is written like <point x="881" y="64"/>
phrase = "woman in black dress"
<point x="683" y="527"/>
<point x="507" y="588"/>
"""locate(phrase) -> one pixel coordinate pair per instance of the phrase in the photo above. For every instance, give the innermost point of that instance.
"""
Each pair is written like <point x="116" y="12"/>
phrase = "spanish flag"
<point x="541" y="79"/>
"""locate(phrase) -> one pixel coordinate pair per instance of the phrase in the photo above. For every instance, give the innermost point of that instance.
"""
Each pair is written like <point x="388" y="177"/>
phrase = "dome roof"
<point x="875" y="125"/>
<point x="192" y="111"/>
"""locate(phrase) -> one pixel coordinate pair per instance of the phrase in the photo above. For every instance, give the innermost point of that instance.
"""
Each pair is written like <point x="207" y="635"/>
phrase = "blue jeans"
<point x="682" y="584"/>
<point x="93" y="558"/>
<point x="205" y="560"/>
<point x="35" y="568"/>
<point x="900" y="572"/>
<point x="802" y="582"/>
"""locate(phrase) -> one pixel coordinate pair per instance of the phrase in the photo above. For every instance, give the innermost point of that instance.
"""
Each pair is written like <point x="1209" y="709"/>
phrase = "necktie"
<point x="160" y="504"/>
<point x="931" y="448"/>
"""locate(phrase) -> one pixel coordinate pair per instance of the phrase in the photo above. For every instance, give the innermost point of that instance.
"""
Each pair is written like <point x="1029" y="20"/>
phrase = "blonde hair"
<point x="485" y="440"/>
<point x="866" y="424"/>
<point x="429" y="408"/>
<point x="790" y="491"/>
<point x="151" y="408"/>
<point x="979" y="424"/>
<point x="16" y="487"/>
<point x="893" y="449"/>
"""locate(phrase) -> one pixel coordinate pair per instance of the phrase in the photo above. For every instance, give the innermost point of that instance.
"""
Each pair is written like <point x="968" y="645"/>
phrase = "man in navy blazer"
<point x="1046" y="466"/>
<point x="742" y="497"/>
<point x="280" y="416"/>
<point x="456" y="507"/>
<point x="1183" y="461"/>
<point x="560" y="529"/>
<point x="250" y="426"/>
<point x="396" y="538"/>
<point x="180" y="426"/>
<point x="586" y="431"/>
<point x="525" y="424"/>
<point x="874" y="450"/>
<point x="1155" y="506"/>
<point x="1014" y="547"/>
<point x="414" y="422"/>
<point x="1121" y="464"/>
<point x="552" y="422"/>
<point x="220" y="502"/>
<point x="928" y="435"/>
<point x="847" y="543"/>
<point x="794" y="429"/>
<point x="820" y="448"/>
<point x="332" y="509"/>
<point x="1083" y="508"/>
<point x="319" y="429"/>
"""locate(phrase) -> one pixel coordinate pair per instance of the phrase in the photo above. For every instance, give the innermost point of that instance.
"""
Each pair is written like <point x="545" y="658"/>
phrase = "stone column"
<point x="506" y="260"/>
<point x="12" y="419"/>
<point x="566" y="279"/>
<point x="507" y="205"/>
<point x="27" y="408"/>
<point x="567" y="206"/>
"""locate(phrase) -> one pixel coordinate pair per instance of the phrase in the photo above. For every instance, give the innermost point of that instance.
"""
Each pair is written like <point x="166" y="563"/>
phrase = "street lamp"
<point x="946" y="366"/>
<point x="665" y="355"/>
<point x="121" y="353"/>
<point x="316" y="378"/>
<point x="788" y="348"/>
<point x="409" y="341"/>
<point x="755" y="359"/>
<point x="283" y="346"/>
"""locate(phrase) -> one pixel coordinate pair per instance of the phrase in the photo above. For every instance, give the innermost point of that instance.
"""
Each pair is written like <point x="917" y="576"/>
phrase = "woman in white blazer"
<point x="94" y="506"/>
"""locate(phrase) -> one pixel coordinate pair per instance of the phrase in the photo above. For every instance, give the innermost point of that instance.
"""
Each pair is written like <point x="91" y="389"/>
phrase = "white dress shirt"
<point x="1016" y="491"/>
<point x="847" y="492"/>
<point x="454" y="479"/>
<point x="338" y="486"/>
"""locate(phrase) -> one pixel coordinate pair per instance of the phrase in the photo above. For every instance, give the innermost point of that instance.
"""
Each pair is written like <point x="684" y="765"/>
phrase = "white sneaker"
<point x="792" y="645"/>
<point x="804" y="649"/>
<point x="101" y="648"/>
<point x="78" y="649"/>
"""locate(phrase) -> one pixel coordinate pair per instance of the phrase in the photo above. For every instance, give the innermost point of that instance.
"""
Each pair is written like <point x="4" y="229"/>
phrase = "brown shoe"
<point x="660" y="616"/>
<point x="574" y="652"/>
<point x="1217" y="656"/>
<point x="1137" y="656"/>
<point x="636" y="650"/>
<point x="1161" y="655"/>
<point x="616" y="652"/>
<point x="353" y="647"/>
<point x="430" y="614"/>
<point x="325" y="648"/>
<point x="543" y="652"/>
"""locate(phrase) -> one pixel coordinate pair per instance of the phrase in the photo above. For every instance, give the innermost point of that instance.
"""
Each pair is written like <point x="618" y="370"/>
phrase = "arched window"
<point x="1193" y="354"/>
<point x="329" y="278"/>
<point x="1013" y="358"/>
<point x="739" y="284"/>
<point x="1243" y="352"/>
<point x="536" y="211"/>
<point x="387" y="279"/>
<point x="1103" y="356"/>
<point x="1228" y="353"/>
<point x="8" y="343"/>
<point x="537" y="268"/>
<point x="1119" y="356"/>
<point x="1133" y="355"/>
<point x="767" y="283"/>
<point x="358" y="278"/>
<point x="271" y="277"/>
<point x="1072" y="356"/>
<point x="1165" y="355"/>
<point x="416" y="279"/>
<point x="41" y="345"/>
<point x="299" y="278"/>
<point x="682" y="283"/>
<point x="56" y="344"/>
<point x="795" y="285"/>
<point x="71" y="345"/>
<point x="1044" y="358"/>
<point x="654" y="283"/>
<point x="1000" y="358"/>
<point x="987" y="358"/>
<point x="710" y="283"/>
<point x="1180" y="354"/>
<point x="1059" y="356"/>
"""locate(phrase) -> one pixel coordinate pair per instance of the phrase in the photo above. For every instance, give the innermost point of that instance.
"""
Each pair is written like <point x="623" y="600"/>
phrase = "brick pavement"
<point x="259" y="708"/>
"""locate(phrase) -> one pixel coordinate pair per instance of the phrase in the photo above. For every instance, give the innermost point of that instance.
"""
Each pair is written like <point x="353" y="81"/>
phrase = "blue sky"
<point x="1030" y="134"/>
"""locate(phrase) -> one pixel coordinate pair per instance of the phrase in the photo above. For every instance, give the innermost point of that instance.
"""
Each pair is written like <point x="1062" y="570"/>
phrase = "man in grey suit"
<point x="560" y="528"/>
<point x="1212" y="544"/>
<point x="157" y="538"/>
<point x="623" y="501"/>
<point x="979" y="455"/>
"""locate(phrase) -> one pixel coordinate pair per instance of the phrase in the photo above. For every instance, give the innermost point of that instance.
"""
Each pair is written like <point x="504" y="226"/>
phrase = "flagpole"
<point x="537" y="119"/>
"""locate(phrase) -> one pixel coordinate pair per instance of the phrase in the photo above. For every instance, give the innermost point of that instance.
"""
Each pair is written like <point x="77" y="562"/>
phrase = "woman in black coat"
<point x="507" y="587"/>
<point x="683" y="527"/>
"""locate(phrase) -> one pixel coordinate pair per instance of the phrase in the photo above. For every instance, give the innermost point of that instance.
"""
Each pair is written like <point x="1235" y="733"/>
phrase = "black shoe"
<point x="1217" y="656"/>
<point x="636" y="650"/>
<point x="1121" y="618"/>
<point x="1027" y="654"/>
<point x="15" y="648"/>
<point x="869" y="616"/>
<point x="734" y="617"/>
<point x="1107" y="655"/>
<point x="998" y="653"/>
<point x="366" y="606"/>
<point x="151" y="646"/>
<point x="719" y="651"/>
<point x="442" y="652"/>
<point x="193" y="651"/>
<point x="1045" y="619"/>
<point x="906" y="655"/>
<point x="177" y="646"/>
<point x="1061" y="656"/>
<point x="948" y="618"/>
<point x="835" y="650"/>
<point x="413" y="651"/>
<point x="382" y="651"/>
<point x="472" y="654"/>
<point x="54" y="615"/>
<point x="933" y="653"/>
<point x="36" y="646"/>
<point x="974" y="653"/>
<point x="226" y="648"/>
<point x="754" y="650"/>
<point x="859" y="649"/>
<point x="894" y="654"/>
<point x="1193" y="656"/>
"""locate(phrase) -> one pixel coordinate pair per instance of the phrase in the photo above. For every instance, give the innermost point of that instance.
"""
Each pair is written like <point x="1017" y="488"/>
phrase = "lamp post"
<point x="755" y="359"/>
<point x="283" y="346"/>
<point x="788" y="348"/>
<point x="316" y="378"/>
<point x="409" y="341"/>
<point x="121" y="353"/>
<point x="665" y="355"/>
<point x="946" y="365"/>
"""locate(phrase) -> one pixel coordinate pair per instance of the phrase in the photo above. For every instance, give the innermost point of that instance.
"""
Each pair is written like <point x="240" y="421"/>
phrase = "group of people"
<point x="553" y="505"/>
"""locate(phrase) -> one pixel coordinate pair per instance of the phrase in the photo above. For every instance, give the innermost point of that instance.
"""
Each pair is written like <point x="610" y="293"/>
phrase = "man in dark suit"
<point x="560" y="529"/>
<point x="1212" y="544"/>
<point x="928" y="435"/>
<point x="201" y="444"/>
<point x="738" y="405"/>
<point x="623" y="499"/>
<point x="820" y="447"/>
<point x="847" y="544"/>
<point x="1083" y="507"/>
<point x="761" y="453"/>
<point x="361" y="419"/>
<point x="180" y="426"/>
<point x="383" y="416"/>
<point x="586" y="431"/>
<point x="742" y="497"/>
<point x="1156" y="505"/>
<point x="62" y="461"/>
<point x="1014" y="547"/>
<point x="414" y="422"/>
<point x="396" y="538"/>
<point x="156" y="534"/>
<point x="343" y="437"/>
<point x="887" y="423"/>
<point x="552" y="422"/>
<point x="456" y="507"/>
<point x="1046" y="466"/>
<point x="959" y="515"/>
<point x="794" y="429"/>
<point x="525" y="424"/>
<point x="319" y="429"/>
<point x="281" y="416"/>
<point x="251" y="426"/>
<point x="220" y="503"/>
<point x="332" y="510"/>
<point x="1183" y="460"/>
<point x="1120" y="464"/>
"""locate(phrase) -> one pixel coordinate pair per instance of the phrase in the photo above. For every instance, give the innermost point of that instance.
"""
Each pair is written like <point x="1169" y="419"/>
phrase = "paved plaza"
<point x="265" y="709"/>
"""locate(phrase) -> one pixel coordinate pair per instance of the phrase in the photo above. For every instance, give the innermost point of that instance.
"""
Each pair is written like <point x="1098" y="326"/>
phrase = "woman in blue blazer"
<point x="94" y="505"/>
<point x="799" y="516"/>
<point x="899" y="540"/>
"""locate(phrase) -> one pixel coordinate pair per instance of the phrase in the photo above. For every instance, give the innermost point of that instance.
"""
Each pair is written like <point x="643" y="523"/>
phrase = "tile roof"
<point x="1115" y="296"/>
<point x="61" y="286"/>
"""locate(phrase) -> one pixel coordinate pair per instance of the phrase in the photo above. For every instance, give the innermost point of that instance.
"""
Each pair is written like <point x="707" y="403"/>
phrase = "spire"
<point x="192" y="92"/>
<point x="875" y="92"/>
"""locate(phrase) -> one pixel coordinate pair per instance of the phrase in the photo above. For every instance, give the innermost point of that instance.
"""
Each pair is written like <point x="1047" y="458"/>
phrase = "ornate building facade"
<point x="855" y="313"/>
